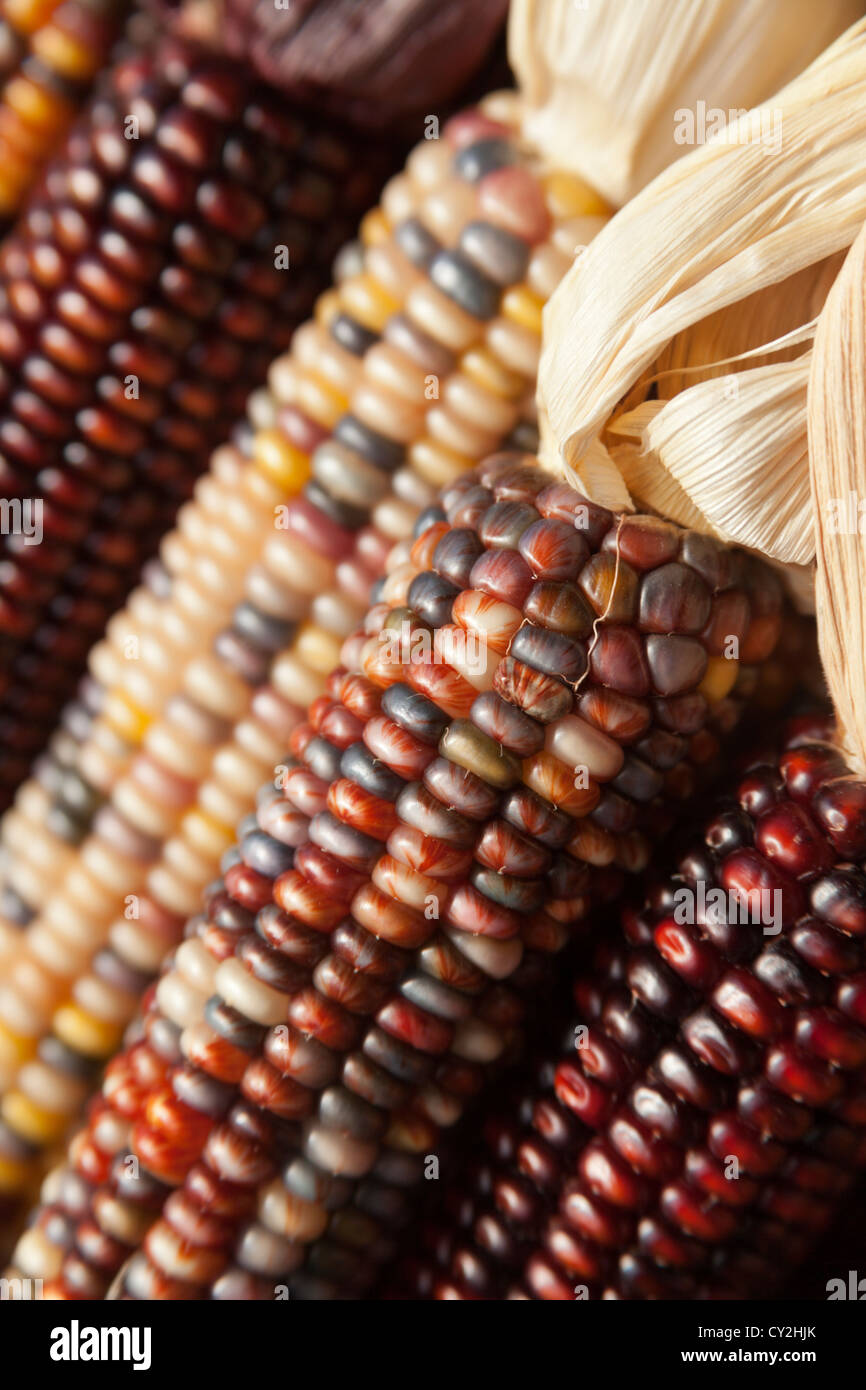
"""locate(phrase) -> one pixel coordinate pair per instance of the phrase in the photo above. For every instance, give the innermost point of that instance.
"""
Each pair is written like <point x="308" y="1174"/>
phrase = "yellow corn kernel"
<point x="280" y="461"/>
<point x="15" y="1047"/>
<point x="318" y="399"/>
<point x="84" y="1033"/>
<point x="66" y="55"/>
<point x="523" y="307"/>
<point x="125" y="717"/>
<point x="568" y="196"/>
<point x="13" y="1175"/>
<point x="17" y="166"/>
<point x="482" y="367"/>
<point x="364" y="298"/>
<point x="30" y="1120"/>
<point x="318" y="649"/>
<point x="436" y="464"/>
<point x="719" y="678"/>
<point x="375" y="228"/>
<point x="23" y="143"/>
<point x="204" y="832"/>
<point x="28" y="15"/>
<point x="37" y="109"/>
<point x="327" y="307"/>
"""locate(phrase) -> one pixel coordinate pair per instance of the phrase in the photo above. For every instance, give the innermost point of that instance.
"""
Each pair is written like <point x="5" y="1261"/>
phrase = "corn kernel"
<point x="205" y="832"/>
<point x="30" y="1120"/>
<point x="436" y="464"/>
<point x="568" y="196"/>
<point x="84" y="1033"/>
<point x="375" y="228"/>
<point x="318" y="399"/>
<point x="69" y="56"/>
<point x="13" y="1175"/>
<point x="719" y="678"/>
<point x="125" y="717"/>
<point x="285" y="465"/>
<point x="38" y="109"/>
<point x="522" y="306"/>
<point x="488" y="372"/>
<point x="318" y="649"/>
<point x="327" y="307"/>
<point x="15" y="1048"/>
<point x="28" y="15"/>
<point x="366" y="300"/>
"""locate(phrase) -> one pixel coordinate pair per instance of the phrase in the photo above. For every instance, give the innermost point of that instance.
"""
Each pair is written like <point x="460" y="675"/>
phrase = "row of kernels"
<point x="57" y="48"/>
<point x="287" y="671"/>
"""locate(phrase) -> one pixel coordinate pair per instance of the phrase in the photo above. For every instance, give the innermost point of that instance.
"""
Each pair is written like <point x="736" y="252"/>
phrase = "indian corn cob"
<point x="134" y="689"/>
<point x="143" y="299"/>
<point x="357" y="422"/>
<point x="503" y="782"/>
<point x="702" y="1042"/>
<point x="50" y="51"/>
<point x="837" y="1254"/>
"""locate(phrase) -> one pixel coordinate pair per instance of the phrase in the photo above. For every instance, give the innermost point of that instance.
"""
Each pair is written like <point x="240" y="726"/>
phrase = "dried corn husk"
<point x="598" y="476"/>
<point x="837" y="444"/>
<point x="729" y="420"/>
<point x="691" y="438"/>
<point x="751" y="332"/>
<point x="604" y="83"/>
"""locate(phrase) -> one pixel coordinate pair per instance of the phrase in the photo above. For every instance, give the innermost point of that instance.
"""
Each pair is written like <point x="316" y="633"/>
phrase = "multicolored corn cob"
<point x="144" y="296"/>
<point x="50" y="51"/>
<point x="396" y="391"/>
<point x="451" y="807"/>
<point x="359" y="422"/>
<point x="697" y="1138"/>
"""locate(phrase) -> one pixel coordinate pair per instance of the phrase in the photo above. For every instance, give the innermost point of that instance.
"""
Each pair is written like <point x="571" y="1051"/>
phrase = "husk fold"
<point x="677" y="339"/>
<point x="837" y="448"/>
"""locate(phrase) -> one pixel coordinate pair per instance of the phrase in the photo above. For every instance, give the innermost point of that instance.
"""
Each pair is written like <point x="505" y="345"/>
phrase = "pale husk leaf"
<point x="718" y="226"/>
<point x="736" y="447"/>
<point x="837" y="446"/>
<point x="751" y="327"/>
<point x="597" y="476"/>
<point x="603" y="80"/>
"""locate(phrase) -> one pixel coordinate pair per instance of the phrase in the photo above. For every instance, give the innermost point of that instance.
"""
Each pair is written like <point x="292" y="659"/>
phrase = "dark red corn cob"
<point x="705" y="1043"/>
<point x="350" y="1023"/>
<point x="141" y="303"/>
<point x="424" y="50"/>
<point x="839" y="1254"/>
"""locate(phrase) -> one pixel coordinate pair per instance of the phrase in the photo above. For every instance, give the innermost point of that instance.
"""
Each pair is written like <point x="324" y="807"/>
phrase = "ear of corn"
<point x="143" y="298"/>
<point x="699" y="1137"/>
<point x="50" y="50"/>
<point x="449" y="810"/>
<point x="392" y="390"/>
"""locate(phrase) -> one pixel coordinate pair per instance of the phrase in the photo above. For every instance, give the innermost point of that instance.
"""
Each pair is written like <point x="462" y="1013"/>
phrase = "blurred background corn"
<point x="334" y="1006"/>
<point x="50" y="51"/>
<point x="143" y="297"/>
